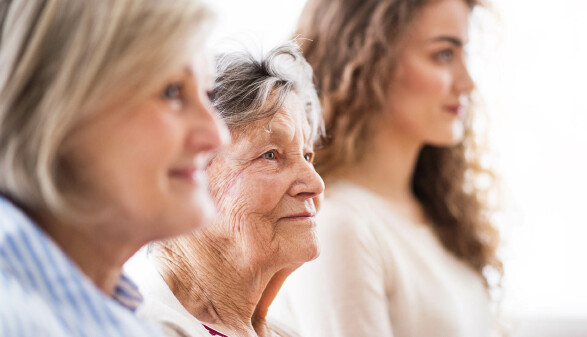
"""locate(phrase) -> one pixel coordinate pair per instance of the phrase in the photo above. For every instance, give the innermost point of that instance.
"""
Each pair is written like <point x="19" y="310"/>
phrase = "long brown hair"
<point x="352" y="46"/>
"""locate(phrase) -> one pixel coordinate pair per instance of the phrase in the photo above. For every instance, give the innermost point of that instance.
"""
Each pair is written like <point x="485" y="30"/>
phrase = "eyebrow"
<point x="206" y="79"/>
<point x="276" y="135"/>
<point x="188" y="71"/>
<point x="453" y="40"/>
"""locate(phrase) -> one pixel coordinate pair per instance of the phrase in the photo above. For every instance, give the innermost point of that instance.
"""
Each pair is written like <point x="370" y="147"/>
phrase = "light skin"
<point x="142" y="170"/>
<point x="427" y="101"/>
<point x="267" y="193"/>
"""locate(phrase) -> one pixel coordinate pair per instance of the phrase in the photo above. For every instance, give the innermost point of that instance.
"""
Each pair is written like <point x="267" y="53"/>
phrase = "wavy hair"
<point x="353" y="47"/>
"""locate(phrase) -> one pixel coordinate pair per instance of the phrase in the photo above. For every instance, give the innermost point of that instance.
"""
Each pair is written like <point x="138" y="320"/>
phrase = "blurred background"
<point x="528" y="58"/>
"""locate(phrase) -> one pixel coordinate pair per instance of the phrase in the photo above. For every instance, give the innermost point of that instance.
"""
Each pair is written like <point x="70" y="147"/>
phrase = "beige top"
<point x="379" y="275"/>
<point x="160" y="305"/>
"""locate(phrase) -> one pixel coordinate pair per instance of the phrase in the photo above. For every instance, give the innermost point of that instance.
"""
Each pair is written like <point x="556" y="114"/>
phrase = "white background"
<point x="533" y="75"/>
<point x="529" y="60"/>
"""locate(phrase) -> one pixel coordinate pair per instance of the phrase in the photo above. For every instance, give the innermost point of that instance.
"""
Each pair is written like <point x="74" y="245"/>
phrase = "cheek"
<point x="255" y="192"/>
<point x="417" y="94"/>
<point x="149" y="150"/>
<point x="424" y="82"/>
<point x="124" y="160"/>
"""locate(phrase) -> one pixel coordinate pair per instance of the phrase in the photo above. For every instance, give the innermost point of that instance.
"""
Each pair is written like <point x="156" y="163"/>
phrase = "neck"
<point x="99" y="254"/>
<point x="387" y="169"/>
<point x="213" y="283"/>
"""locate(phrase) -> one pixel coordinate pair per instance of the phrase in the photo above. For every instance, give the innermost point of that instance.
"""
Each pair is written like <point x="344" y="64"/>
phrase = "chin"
<point x="457" y="134"/>
<point x="301" y="253"/>
<point x="188" y="219"/>
<point x="446" y="140"/>
<point x="202" y="209"/>
<point x="315" y="254"/>
<point x="447" y="143"/>
<point x="296" y="248"/>
<point x="311" y="250"/>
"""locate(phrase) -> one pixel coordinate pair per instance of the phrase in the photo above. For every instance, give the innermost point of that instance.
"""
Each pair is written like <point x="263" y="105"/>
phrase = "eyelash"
<point x="445" y="55"/>
<point x="209" y="94"/>
<point x="309" y="157"/>
<point x="273" y="152"/>
<point x="173" y="92"/>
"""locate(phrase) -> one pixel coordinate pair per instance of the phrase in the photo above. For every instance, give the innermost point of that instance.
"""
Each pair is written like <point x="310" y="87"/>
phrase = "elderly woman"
<point x="221" y="280"/>
<point x="105" y="131"/>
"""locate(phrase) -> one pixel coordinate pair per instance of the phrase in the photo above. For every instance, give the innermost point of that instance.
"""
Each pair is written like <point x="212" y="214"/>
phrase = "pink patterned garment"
<point x="214" y="332"/>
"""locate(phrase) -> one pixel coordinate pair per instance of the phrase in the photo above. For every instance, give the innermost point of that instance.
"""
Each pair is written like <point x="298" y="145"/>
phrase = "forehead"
<point x="198" y="64"/>
<point x="203" y="66"/>
<point x="441" y="17"/>
<point x="288" y="124"/>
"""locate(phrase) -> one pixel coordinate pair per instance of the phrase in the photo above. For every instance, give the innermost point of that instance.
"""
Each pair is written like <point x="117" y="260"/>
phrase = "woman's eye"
<point x="173" y="91"/>
<point x="270" y="155"/>
<point x="444" y="56"/>
<point x="309" y="157"/>
<point x="210" y="95"/>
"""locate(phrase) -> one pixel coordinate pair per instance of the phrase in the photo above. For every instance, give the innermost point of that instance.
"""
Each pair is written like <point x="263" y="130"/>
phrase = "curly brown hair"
<point x="353" y="47"/>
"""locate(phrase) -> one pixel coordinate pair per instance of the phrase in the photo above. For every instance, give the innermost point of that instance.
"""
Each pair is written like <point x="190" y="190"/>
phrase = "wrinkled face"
<point x="267" y="190"/>
<point x="429" y="90"/>
<point x="145" y="165"/>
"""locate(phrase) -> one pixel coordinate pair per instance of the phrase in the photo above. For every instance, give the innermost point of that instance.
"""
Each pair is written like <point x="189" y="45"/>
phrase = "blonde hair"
<point x="62" y="60"/>
<point x="352" y="47"/>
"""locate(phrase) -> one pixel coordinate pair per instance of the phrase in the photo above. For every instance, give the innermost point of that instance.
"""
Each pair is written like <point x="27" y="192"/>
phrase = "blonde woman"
<point x="404" y="231"/>
<point x="105" y="130"/>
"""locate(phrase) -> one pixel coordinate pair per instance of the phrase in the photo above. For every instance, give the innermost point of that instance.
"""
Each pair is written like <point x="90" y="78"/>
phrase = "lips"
<point x="192" y="174"/>
<point x="457" y="110"/>
<point x="192" y="170"/>
<point x="300" y="216"/>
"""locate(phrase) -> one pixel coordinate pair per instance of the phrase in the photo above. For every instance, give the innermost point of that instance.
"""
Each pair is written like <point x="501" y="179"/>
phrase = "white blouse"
<point x="378" y="275"/>
<point x="161" y="305"/>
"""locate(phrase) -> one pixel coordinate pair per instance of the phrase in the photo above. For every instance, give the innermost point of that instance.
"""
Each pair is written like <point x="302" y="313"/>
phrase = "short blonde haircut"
<point x="62" y="60"/>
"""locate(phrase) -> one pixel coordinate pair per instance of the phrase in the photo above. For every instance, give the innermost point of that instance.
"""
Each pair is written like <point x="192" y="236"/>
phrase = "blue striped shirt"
<point x="43" y="293"/>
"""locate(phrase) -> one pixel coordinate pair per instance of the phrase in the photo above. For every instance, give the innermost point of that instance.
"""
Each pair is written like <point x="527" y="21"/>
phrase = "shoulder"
<point x="347" y="214"/>
<point x="159" y="304"/>
<point x="25" y="312"/>
<point x="281" y="329"/>
<point x="12" y="216"/>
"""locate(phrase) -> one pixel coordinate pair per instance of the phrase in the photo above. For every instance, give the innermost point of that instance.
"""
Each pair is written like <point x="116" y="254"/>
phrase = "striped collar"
<point x="127" y="293"/>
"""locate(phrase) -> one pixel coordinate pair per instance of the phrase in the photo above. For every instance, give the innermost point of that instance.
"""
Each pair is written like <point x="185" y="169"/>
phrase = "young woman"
<point x="404" y="231"/>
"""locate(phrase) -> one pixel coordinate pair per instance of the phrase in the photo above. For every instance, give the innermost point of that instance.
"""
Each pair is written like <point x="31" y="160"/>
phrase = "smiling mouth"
<point x="301" y="215"/>
<point x="298" y="217"/>
<point x="193" y="175"/>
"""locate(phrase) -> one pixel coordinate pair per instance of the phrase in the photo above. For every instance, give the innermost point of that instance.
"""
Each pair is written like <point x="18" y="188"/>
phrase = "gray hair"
<point x="61" y="61"/>
<point x="249" y="88"/>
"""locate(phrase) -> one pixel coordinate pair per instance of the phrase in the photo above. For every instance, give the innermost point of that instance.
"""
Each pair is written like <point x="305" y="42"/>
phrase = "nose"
<point x="464" y="83"/>
<point x="207" y="131"/>
<point x="308" y="183"/>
